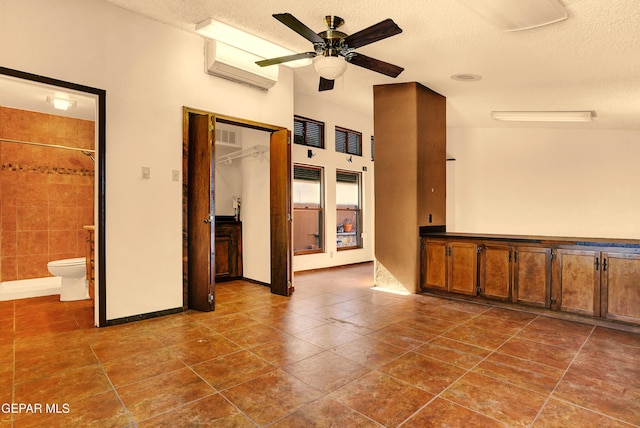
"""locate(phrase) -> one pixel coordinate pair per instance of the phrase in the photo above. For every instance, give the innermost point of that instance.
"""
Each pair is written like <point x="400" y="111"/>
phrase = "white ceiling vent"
<point x="227" y="137"/>
<point x="235" y="64"/>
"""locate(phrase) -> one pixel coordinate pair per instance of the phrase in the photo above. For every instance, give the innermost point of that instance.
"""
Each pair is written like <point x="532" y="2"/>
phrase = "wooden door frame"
<point x="100" y="169"/>
<point x="215" y="118"/>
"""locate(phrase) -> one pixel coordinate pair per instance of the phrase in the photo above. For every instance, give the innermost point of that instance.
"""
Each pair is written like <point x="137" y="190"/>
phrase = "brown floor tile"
<point x="442" y="413"/>
<point x="369" y="352"/>
<point x="271" y="396"/>
<point x="253" y="336"/>
<point x="67" y="341"/>
<point x="101" y="410"/>
<point x="539" y="352"/>
<point x="453" y="352"/>
<point x="203" y="349"/>
<point x="181" y="333"/>
<point x="429" y="324"/>
<point x="615" y="336"/>
<point x="210" y="411"/>
<point x="545" y="330"/>
<point x="326" y="371"/>
<point x="115" y="346"/>
<point x="559" y="414"/>
<point x="325" y="412"/>
<point x="159" y="394"/>
<point x="496" y="399"/>
<point x="617" y="401"/>
<point x="141" y="366"/>
<point x="496" y="325"/>
<point x="68" y="386"/>
<point x="223" y="323"/>
<point x="402" y="336"/>
<point x="53" y="363"/>
<point x="372" y="394"/>
<point x="287" y="351"/>
<point x="229" y="370"/>
<point x="295" y="323"/>
<point x="426" y="373"/>
<point x="524" y="373"/>
<point x="327" y="336"/>
<point x="480" y="337"/>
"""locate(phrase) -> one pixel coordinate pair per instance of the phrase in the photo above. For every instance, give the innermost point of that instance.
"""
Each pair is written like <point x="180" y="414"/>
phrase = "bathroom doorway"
<point x="199" y="206"/>
<point x="30" y="94"/>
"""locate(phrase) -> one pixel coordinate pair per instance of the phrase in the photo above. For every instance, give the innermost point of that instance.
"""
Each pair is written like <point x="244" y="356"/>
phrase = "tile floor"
<point x="335" y="354"/>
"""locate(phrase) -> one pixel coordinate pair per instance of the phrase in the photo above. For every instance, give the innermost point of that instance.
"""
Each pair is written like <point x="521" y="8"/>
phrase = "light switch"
<point x="175" y="175"/>
<point x="146" y="172"/>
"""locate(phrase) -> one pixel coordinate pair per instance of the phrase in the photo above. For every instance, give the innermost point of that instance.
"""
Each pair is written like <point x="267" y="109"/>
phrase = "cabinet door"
<point x="532" y="275"/>
<point x="224" y="258"/>
<point x="434" y="264"/>
<point x="495" y="272"/>
<point x="579" y="281"/>
<point x="620" y="286"/>
<point x="463" y="268"/>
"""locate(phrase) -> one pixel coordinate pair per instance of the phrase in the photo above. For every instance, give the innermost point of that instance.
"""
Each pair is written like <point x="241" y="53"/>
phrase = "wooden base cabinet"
<point x="228" y="251"/>
<point x="579" y="281"/>
<point x="450" y="266"/>
<point x="495" y="271"/>
<point x="620" y="274"/>
<point x="532" y="276"/>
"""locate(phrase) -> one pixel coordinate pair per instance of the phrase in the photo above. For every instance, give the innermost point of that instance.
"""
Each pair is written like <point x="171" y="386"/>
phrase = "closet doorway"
<point x="199" y="207"/>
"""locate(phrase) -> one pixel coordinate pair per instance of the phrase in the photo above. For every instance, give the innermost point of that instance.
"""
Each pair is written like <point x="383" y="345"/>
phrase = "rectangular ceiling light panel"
<point x="515" y="15"/>
<point x="543" y="116"/>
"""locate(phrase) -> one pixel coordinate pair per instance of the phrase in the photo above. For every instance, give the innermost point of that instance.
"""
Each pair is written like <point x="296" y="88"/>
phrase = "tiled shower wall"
<point x="46" y="193"/>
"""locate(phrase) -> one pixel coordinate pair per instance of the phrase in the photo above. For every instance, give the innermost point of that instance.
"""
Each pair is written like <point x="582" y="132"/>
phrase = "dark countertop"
<point x="430" y="232"/>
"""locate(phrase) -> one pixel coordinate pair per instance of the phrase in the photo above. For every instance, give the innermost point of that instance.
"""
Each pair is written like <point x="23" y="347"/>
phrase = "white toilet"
<point x="74" y="284"/>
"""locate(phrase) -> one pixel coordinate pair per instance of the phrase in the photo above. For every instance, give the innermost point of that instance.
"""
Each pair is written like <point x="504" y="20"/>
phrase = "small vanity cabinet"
<point x="228" y="250"/>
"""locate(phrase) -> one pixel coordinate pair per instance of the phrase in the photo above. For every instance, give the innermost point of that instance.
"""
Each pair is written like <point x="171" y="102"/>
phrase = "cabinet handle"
<point x="597" y="263"/>
<point x="515" y="257"/>
<point x="604" y="265"/>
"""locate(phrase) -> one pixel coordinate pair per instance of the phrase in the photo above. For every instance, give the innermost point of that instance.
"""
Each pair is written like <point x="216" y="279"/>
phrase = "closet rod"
<point x="47" y="145"/>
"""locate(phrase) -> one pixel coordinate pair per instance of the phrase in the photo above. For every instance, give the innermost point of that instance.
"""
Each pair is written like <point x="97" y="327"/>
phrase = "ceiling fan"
<point x="335" y="49"/>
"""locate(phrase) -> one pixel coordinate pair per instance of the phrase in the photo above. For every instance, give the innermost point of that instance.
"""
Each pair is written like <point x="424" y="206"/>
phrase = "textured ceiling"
<point x="590" y="61"/>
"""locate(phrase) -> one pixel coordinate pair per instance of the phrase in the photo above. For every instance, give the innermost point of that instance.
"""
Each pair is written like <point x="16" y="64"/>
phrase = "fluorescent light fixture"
<point x="544" y="116"/>
<point x="515" y="15"/>
<point x="61" y="103"/>
<point x="214" y="29"/>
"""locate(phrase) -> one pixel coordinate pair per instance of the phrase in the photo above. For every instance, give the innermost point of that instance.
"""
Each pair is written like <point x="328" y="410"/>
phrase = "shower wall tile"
<point x="63" y="241"/>
<point x="33" y="266"/>
<point x="46" y="194"/>
<point x="9" y="268"/>
<point x="29" y="219"/>
<point x="33" y="243"/>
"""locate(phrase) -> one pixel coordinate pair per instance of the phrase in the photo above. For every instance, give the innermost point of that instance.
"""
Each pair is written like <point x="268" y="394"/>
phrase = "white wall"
<point x="317" y="108"/>
<point x="150" y="71"/>
<point x="557" y="182"/>
<point x="256" y="200"/>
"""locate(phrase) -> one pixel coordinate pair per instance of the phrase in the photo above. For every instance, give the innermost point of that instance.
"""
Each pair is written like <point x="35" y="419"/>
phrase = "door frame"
<point x="100" y="300"/>
<point x="283" y="170"/>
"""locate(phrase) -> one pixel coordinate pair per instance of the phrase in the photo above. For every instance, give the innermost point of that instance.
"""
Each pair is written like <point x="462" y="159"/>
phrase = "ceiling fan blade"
<point x="325" y="84"/>
<point x="375" y="65"/>
<point x="297" y="26"/>
<point x="379" y="31"/>
<point x="280" y="60"/>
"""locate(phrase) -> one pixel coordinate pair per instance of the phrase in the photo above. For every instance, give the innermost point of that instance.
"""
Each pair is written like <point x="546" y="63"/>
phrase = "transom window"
<point x="308" y="132"/>
<point x="348" y="141"/>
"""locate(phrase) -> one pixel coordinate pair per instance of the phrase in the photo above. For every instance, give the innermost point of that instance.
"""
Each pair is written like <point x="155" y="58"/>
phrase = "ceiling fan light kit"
<point x="544" y="116"/>
<point x="333" y="49"/>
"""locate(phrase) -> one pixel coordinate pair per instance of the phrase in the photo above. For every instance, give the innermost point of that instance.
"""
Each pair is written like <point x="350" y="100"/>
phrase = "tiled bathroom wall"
<point x="46" y="193"/>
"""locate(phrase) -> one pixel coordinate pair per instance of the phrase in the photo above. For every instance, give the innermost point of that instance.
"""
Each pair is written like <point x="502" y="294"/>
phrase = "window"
<point x="348" y="141"/>
<point x="308" y="210"/>
<point x="349" y="218"/>
<point x="308" y="132"/>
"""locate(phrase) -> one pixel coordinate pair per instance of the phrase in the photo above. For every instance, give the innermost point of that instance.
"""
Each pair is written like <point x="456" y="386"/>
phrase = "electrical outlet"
<point x="146" y="172"/>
